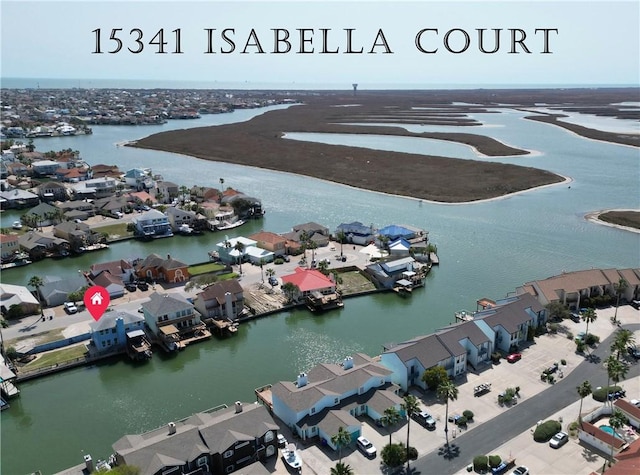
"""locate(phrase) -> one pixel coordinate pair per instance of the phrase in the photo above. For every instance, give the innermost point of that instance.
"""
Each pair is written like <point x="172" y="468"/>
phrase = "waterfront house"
<point x="19" y="295"/>
<point x="330" y="396"/>
<point x="43" y="215"/>
<point x="386" y="274"/>
<point x="205" y="193"/>
<point x="356" y="233"/>
<point x="121" y="268"/>
<point x="139" y="179"/>
<point x="271" y="242"/>
<point x="109" y="333"/>
<point x="44" y="167"/>
<point x="52" y="191"/>
<point x="314" y="232"/>
<point x="166" y="191"/>
<point x="9" y="245"/>
<point x="410" y="359"/>
<point x="221" y="300"/>
<point x="169" y="316"/>
<point x="79" y="209"/>
<point x="399" y="248"/>
<point x="508" y="324"/>
<point x="152" y="223"/>
<point x="178" y="217"/>
<point x="520" y="303"/>
<point x="393" y="232"/>
<point x="220" y="440"/>
<point x="577" y="289"/>
<point x="17" y="198"/>
<point x="101" y="170"/>
<point x="112" y="283"/>
<point x="257" y="256"/>
<point x="308" y="282"/>
<point x="78" y="235"/>
<point x="55" y="290"/>
<point x="100" y="187"/>
<point x="245" y="207"/>
<point x="227" y="251"/>
<point x="39" y="245"/>
<point x="156" y="268"/>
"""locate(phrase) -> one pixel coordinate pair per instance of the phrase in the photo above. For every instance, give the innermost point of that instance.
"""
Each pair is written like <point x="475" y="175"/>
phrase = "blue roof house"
<point x="109" y="334"/>
<point x="394" y="232"/>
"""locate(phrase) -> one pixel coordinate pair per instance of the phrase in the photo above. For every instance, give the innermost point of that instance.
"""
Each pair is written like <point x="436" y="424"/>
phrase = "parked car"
<point x="424" y="419"/>
<point x="130" y="286"/>
<point x="576" y="318"/>
<point x="143" y="286"/>
<point x="366" y="447"/>
<point x="70" y="307"/>
<point x="634" y="352"/>
<point x="273" y="281"/>
<point x="513" y="357"/>
<point x="635" y="402"/>
<point x="559" y="440"/>
<point x="500" y="468"/>
<point x="521" y="470"/>
<point x="282" y="441"/>
<point x="635" y="304"/>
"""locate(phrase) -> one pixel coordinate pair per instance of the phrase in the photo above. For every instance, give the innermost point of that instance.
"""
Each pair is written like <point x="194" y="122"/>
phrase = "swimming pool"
<point x="609" y="430"/>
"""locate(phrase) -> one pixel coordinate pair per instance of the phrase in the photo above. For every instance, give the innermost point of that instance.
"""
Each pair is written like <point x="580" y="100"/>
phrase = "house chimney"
<point x="347" y="363"/>
<point x="302" y="380"/>
<point x="172" y="428"/>
<point x="238" y="407"/>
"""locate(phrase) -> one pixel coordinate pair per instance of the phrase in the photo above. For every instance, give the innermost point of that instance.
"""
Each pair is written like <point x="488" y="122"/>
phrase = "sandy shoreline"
<point x="594" y="217"/>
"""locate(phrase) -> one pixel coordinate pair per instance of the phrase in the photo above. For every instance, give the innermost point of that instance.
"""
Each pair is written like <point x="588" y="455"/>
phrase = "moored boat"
<point x="291" y="457"/>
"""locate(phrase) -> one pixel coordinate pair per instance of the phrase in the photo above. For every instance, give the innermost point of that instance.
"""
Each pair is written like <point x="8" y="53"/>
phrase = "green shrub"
<point x="462" y="421"/>
<point x="553" y="327"/>
<point x="480" y="463"/>
<point x="494" y="460"/>
<point x="12" y="353"/>
<point x="279" y="261"/>
<point x="563" y="362"/>
<point x="569" y="336"/>
<point x="546" y="430"/>
<point x="413" y="453"/>
<point x="580" y="346"/>
<point x="600" y="395"/>
<point x="394" y="455"/>
<point x="468" y="414"/>
<point x="495" y="357"/>
<point x="591" y="339"/>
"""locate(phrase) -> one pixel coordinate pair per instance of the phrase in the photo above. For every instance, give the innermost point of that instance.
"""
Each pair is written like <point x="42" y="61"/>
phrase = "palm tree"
<point x="448" y="391"/>
<point x="411" y="407"/>
<point x="341" y="439"/>
<point x="37" y="282"/>
<point x="221" y="184"/>
<point x="313" y="246"/>
<point x="270" y="273"/>
<point x="341" y="469"/>
<point x="623" y="339"/>
<point x="290" y="290"/>
<point x="616" y="421"/>
<point x="240" y="248"/>
<point x="262" y="263"/>
<point x="304" y="241"/>
<point x="589" y="316"/>
<point x="619" y="288"/>
<point x="341" y="236"/>
<point x="323" y="266"/>
<point x="583" y="391"/>
<point x="391" y="417"/>
<point x="616" y="371"/>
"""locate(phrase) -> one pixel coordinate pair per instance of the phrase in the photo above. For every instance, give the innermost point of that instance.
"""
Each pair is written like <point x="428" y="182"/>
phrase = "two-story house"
<point x="44" y="167"/>
<point x="79" y="235"/>
<point x="52" y="191"/>
<point x="17" y="198"/>
<point x="9" y="246"/>
<point x="101" y="187"/>
<point x="230" y="252"/>
<point x="169" y="316"/>
<point x="152" y="223"/>
<point x="109" y="333"/>
<point x="330" y="396"/>
<point x="19" y="295"/>
<point x="308" y="282"/>
<point x="271" y="242"/>
<point x="155" y="268"/>
<point x="222" y="300"/>
<point x="220" y="440"/>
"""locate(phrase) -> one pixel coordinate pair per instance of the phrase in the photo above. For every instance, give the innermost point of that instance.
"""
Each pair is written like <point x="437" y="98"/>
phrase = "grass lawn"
<point x="115" y="230"/>
<point x="354" y="282"/>
<point x="56" y="357"/>
<point x="205" y="268"/>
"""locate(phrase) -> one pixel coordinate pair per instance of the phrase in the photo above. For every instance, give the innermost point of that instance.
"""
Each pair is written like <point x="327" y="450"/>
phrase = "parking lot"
<point x="573" y="458"/>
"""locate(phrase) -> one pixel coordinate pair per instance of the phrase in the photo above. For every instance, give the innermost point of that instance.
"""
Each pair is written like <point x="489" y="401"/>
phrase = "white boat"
<point x="291" y="457"/>
<point x="16" y="225"/>
<point x="229" y="225"/>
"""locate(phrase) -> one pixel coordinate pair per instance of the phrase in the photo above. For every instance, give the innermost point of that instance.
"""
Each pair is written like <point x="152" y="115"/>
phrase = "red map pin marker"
<point x="96" y="299"/>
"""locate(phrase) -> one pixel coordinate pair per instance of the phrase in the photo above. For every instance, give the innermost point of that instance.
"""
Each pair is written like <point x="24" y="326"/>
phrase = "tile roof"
<point x="308" y="279"/>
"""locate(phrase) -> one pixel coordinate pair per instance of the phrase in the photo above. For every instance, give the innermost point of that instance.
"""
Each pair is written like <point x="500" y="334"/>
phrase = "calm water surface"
<point x="486" y="249"/>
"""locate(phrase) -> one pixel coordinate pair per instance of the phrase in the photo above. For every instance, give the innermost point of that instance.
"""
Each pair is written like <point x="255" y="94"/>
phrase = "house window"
<point x="113" y="330"/>
<point x="313" y="410"/>
<point x="230" y="469"/>
<point x="201" y="461"/>
<point x="228" y="454"/>
<point x="268" y="437"/>
<point x="336" y="400"/>
<point x="242" y="444"/>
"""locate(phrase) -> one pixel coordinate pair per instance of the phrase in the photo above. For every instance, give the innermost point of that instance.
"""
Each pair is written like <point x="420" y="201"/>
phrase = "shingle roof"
<point x="219" y="289"/>
<point x="160" y="304"/>
<point x="108" y="320"/>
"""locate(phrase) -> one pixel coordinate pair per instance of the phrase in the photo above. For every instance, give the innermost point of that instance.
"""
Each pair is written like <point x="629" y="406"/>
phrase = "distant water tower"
<point x="355" y="88"/>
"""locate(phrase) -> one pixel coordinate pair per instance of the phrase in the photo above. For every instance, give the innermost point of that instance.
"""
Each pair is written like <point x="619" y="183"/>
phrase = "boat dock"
<point x="222" y="327"/>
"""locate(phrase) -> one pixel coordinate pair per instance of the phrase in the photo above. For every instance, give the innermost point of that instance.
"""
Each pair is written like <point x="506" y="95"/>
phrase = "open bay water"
<point x="486" y="250"/>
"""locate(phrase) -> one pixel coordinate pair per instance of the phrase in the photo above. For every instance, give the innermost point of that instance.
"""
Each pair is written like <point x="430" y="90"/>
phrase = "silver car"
<point x="559" y="440"/>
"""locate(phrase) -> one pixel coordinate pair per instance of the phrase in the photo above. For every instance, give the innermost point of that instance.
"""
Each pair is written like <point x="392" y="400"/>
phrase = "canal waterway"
<point x="486" y="250"/>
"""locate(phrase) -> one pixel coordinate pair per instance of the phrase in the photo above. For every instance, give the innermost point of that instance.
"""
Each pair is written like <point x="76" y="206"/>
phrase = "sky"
<point x="577" y="42"/>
